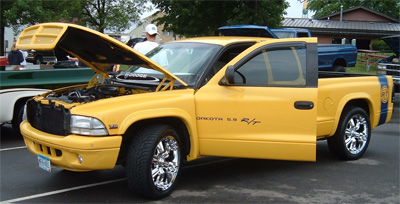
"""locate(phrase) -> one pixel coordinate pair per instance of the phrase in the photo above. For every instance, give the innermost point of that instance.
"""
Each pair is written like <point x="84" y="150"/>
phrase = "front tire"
<point x="17" y="117"/>
<point x="352" y="136"/>
<point x="154" y="161"/>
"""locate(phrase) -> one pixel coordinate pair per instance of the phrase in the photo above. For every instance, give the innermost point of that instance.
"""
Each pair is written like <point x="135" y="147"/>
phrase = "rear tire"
<point x="338" y="68"/>
<point x="352" y="136"/>
<point x="153" y="161"/>
<point x="38" y="60"/>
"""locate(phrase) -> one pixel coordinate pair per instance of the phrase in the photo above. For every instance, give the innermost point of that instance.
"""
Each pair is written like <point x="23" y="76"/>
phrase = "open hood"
<point x="247" y="30"/>
<point x="93" y="48"/>
<point x="393" y="42"/>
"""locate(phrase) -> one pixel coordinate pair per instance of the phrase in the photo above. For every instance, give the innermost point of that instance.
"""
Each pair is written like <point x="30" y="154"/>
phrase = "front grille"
<point x="393" y="67"/>
<point x="48" y="118"/>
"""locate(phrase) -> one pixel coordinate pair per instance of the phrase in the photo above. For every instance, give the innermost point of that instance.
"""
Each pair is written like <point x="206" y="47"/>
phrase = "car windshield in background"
<point x="284" y="34"/>
<point x="184" y="60"/>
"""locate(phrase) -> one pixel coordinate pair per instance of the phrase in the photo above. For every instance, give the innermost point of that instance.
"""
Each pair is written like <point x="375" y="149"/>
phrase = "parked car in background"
<point x="132" y="42"/>
<point x="17" y="86"/>
<point x="3" y="61"/>
<point x="41" y="57"/>
<point x="291" y="32"/>
<point x="391" y="65"/>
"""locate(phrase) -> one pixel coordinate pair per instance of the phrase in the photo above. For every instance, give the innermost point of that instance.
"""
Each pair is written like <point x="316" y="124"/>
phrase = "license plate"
<point x="44" y="163"/>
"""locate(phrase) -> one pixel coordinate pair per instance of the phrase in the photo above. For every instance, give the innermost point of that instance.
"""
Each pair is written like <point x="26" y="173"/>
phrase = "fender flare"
<point x="180" y="114"/>
<point x="347" y="100"/>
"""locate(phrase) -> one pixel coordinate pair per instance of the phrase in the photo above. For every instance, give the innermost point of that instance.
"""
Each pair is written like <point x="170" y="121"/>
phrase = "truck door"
<point x="262" y="105"/>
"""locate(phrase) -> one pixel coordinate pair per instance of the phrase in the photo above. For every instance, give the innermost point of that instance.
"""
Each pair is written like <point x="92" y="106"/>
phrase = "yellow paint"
<point x="231" y="121"/>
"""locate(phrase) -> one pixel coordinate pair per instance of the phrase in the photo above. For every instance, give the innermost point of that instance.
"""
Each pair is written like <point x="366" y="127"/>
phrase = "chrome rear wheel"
<point x="352" y="135"/>
<point x="356" y="134"/>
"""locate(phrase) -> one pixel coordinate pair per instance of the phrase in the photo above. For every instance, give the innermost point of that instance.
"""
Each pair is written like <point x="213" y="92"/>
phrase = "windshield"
<point x="284" y="34"/>
<point x="185" y="60"/>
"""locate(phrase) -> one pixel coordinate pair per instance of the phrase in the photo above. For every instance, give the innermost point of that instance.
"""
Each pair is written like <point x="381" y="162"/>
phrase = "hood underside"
<point x="93" y="48"/>
<point x="393" y="42"/>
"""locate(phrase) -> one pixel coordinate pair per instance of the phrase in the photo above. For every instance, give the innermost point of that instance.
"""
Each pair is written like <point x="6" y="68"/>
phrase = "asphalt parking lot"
<point x="372" y="179"/>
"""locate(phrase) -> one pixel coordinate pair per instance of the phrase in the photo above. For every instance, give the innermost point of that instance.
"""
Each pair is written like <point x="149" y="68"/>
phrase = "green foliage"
<point x="29" y="12"/>
<point x="381" y="46"/>
<point x="326" y="7"/>
<point x="98" y="14"/>
<point x="111" y="14"/>
<point x="202" y="17"/>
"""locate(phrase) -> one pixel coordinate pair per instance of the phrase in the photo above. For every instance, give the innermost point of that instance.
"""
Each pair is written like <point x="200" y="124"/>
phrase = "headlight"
<point x="381" y="66"/>
<point x="83" y="125"/>
<point x="381" y="69"/>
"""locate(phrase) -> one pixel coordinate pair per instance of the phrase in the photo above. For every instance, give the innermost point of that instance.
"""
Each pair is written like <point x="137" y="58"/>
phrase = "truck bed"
<point x="334" y="91"/>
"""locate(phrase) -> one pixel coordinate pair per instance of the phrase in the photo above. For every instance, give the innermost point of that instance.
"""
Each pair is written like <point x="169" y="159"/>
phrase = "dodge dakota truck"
<point x="247" y="97"/>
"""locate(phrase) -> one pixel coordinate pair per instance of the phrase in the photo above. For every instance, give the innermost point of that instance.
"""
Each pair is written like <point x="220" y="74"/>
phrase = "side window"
<point x="225" y="57"/>
<point x="275" y="67"/>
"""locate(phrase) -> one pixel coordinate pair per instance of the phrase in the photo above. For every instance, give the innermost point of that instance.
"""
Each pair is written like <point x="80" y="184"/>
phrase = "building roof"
<point x="361" y="8"/>
<point x="372" y="28"/>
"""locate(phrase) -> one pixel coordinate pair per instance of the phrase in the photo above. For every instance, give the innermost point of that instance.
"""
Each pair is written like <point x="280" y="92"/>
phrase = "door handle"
<point x="304" y="105"/>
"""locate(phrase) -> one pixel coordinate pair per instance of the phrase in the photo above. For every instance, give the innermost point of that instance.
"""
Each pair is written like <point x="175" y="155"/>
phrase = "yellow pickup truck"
<point x="246" y="97"/>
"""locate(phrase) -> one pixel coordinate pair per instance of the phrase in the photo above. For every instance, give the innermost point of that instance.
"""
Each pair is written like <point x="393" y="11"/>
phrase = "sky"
<point x="295" y="9"/>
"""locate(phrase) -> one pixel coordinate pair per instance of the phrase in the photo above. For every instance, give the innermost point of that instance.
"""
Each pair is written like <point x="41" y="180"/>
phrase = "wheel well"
<point x="340" y="62"/>
<point x="358" y="103"/>
<point x="20" y="102"/>
<point x="176" y="123"/>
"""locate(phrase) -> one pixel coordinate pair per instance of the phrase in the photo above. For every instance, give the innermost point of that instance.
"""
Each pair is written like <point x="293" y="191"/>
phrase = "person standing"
<point x="15" y="57"/>
<point x="146" y="46"/>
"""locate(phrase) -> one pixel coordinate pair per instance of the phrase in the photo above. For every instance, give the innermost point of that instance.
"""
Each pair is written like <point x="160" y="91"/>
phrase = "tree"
<point x="19" y="13"/>
<point x="325" y="7"/>
<point x="97" y="14"/>
<point x="4" y="5"/>
<point x="112" y="15"/>
<point x="202" y="17"/>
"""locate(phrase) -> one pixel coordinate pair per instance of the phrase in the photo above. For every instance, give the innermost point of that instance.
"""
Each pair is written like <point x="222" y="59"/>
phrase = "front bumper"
<point x="96" y="152"/>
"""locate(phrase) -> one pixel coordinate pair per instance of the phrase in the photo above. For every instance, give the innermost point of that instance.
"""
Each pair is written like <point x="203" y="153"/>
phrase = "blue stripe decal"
<point x="384" y="103"/>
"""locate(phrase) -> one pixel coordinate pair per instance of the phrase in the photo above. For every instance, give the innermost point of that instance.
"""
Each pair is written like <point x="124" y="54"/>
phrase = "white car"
<point x="12" y="103"/>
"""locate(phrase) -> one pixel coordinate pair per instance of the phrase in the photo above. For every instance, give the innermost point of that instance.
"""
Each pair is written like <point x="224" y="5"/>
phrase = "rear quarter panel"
<point x="335" y="93"/>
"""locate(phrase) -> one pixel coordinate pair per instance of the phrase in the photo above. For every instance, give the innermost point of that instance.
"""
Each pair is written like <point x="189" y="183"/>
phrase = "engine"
<point x="86" y="95"/>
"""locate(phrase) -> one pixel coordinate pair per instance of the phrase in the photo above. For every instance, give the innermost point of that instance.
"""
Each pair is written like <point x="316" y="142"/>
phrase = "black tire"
<point x="38" y="60"/>
<point x="352" y="136"/>
<point x="338" y="68"/>
<point x="144" y="160"/>
<point x="17" y="117"/>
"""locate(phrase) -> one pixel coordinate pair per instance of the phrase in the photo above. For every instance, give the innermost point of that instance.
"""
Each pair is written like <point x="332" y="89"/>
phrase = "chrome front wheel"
<point x="153" y="161"/>
<point x="165" y="164"/>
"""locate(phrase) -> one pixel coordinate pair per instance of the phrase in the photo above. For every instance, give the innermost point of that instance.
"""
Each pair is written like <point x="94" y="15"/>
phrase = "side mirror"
<point x="230" y="75"/>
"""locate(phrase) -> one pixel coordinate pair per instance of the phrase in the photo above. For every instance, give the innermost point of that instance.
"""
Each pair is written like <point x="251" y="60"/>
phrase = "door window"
<point x="275" y="67"/>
